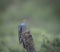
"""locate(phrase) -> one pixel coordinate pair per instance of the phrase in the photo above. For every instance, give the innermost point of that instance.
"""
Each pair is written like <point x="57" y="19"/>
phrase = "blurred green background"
<point x="44" y="24"/>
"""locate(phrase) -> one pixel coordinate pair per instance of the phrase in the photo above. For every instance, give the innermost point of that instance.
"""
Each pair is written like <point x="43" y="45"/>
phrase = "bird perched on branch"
<point x="25" y="36"/>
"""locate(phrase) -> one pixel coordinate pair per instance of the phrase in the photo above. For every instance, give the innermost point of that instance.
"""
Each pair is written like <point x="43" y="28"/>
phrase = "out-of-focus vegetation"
<point x="44" y="24"/>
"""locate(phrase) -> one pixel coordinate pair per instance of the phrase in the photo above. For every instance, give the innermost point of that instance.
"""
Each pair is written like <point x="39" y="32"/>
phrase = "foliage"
<point x="44" y="24"/>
